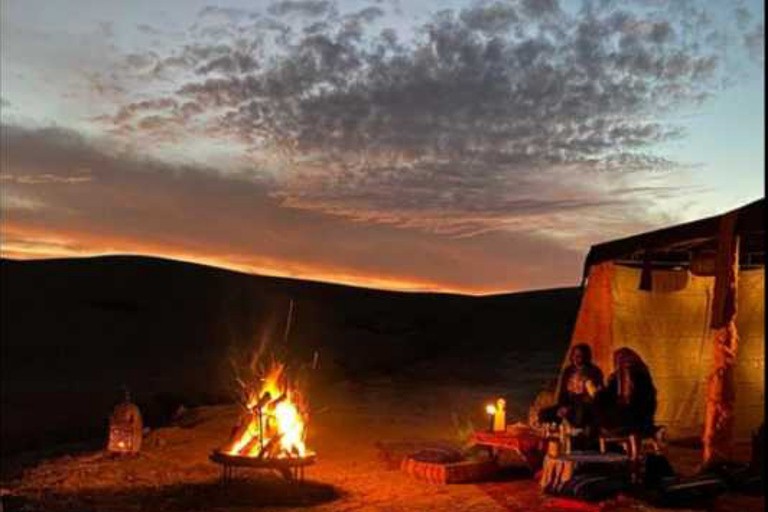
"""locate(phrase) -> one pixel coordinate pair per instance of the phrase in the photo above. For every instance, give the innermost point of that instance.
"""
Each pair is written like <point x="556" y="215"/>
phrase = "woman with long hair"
<point x="628" y="402"/>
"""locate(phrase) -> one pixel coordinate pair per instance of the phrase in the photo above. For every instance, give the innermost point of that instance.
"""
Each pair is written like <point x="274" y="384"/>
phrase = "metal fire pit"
<point x="292" y="468"/>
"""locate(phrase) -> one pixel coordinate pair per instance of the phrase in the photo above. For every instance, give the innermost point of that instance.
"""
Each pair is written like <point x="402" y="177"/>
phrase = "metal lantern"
<point x="125" y="428"/>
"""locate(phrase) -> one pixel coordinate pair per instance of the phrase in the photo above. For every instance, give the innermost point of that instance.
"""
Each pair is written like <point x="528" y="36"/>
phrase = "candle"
<point x="500" y="416"/>
<point x="490" y="409"/>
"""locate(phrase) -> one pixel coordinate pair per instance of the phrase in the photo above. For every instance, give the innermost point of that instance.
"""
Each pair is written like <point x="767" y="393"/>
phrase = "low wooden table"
<point x="559" y="470"/>
<point x="527" y="444"/>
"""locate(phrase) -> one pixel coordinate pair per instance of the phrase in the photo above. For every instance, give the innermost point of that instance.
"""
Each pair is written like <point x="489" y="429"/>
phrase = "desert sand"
<point x="356" y="432"/>
<point x="397" y="371"/>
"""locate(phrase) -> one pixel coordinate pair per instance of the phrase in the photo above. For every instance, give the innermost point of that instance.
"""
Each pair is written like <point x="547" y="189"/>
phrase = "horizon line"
<point x="203" y="262"/>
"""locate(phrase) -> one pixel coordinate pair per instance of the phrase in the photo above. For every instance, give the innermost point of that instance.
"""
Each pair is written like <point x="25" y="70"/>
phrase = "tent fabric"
<point x="669" y="330"/>
<point x="669" y="281"/>
<point x="749" y="376"/>
<point x="668" y="327"/>
<point x="593" y="323"/>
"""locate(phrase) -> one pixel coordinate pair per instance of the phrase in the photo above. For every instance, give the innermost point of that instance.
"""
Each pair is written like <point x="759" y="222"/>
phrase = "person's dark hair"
<point x="585" y="349"/>
<point x="626" y="354"/>
<point x="627" y="360"/>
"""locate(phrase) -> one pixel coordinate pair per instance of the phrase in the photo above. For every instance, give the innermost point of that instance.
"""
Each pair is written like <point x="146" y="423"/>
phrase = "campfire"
<point x="274" y="424"/>
<point x="272" y="430"/>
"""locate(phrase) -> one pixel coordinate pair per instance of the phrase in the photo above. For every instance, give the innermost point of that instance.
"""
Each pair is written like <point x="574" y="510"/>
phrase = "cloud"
<point x="39" y="179"/>
<point x="492" y="19"/>
<point x="149" y="30"/>
<point x="133" y="109"/>
<point x="491" y="116"/>
<point x="107" y="29"/>
<point x="541" y="8"/>
<point x="215" y="13"/>
<point x="743" y="16"/>
<point x="314" y="8"/>
<point x="754" y="41"/>
<point x="137" y="205"/>
<point x="365" y="16"/>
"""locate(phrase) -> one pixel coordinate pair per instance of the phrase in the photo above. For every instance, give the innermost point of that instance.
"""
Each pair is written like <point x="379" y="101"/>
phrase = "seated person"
<point x="628" y="402"/>
<point x="580" y="382"/>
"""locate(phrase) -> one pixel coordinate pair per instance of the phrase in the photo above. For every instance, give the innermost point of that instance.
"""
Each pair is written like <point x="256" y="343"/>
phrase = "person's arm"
<point x="599" y="377"/>
<point x="594" y="382"/>
<point x="562" y="391"/>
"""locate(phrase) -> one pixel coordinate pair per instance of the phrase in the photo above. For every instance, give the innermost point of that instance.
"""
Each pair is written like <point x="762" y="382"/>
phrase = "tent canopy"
<point x="675" y="243"/>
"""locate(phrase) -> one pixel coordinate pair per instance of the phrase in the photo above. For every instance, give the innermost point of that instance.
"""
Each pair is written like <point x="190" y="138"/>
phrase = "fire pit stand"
<point x="291" y="468"/>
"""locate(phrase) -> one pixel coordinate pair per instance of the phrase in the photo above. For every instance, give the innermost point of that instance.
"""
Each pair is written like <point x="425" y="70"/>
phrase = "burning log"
<point x="239" y="432"/>
<point x="271" y="448"/>
<point x="274" y="428"/>
<point x="253" y="446"/>
<point x="271" y="434"/>
<point x="264" y="400"/>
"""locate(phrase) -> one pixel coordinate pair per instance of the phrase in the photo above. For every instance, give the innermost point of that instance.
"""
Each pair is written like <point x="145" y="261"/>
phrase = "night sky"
<point x="459" y="146"/>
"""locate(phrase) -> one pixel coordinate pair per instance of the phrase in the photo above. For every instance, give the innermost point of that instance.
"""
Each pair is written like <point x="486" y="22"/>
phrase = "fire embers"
<point x="125" y="429"/>
<point x="274" y="424"/>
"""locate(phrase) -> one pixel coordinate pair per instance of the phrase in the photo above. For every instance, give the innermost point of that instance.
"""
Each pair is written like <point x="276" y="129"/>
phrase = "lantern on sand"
<point x="125" y="428"/>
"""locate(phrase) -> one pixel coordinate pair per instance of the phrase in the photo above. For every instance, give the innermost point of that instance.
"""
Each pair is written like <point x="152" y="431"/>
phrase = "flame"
<point x="490" y="409"/>
<point x="279" y="431"/>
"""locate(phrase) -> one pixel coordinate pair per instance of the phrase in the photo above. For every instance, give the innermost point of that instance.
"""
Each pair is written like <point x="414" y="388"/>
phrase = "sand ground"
<point x="351" y="423"/>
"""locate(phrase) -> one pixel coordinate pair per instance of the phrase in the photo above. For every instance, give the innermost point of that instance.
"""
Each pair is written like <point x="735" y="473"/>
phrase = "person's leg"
<point x="591" y="427"/>
<point x="579" y="415"/>
<point x="607" y="419"/>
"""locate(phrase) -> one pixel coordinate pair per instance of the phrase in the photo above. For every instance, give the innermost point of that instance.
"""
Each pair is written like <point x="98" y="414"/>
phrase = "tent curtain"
<point x="669" y="328"/>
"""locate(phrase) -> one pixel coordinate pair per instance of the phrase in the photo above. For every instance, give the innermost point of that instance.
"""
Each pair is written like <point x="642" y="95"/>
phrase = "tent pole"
<point x="719" y="419"/>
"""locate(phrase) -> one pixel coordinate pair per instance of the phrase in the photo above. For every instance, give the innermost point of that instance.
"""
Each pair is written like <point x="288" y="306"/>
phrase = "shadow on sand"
<point x="248" y="493"/>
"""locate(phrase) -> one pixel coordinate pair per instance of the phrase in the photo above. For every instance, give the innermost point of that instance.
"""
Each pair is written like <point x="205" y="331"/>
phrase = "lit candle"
<point x="500" y="417"/>
<point x="490" y="409"/>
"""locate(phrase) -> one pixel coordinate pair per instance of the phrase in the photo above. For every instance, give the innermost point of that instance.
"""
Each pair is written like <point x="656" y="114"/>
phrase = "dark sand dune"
<point x="74" y="331"/>
<point x="396" y="370"/>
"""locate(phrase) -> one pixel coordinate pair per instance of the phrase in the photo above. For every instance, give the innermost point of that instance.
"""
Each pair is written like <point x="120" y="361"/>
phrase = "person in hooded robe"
<point x="627" y="404"/>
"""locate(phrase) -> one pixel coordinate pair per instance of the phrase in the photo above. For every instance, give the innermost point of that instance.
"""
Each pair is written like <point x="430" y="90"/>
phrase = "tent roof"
<point x="689" y="237"/>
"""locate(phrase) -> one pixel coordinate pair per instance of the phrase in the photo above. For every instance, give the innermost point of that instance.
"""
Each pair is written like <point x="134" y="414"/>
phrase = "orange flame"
<point x="275" y="424"/>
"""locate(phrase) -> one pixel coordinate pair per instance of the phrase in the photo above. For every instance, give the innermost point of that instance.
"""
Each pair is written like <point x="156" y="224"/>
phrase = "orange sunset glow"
<point x="462" y="155"/>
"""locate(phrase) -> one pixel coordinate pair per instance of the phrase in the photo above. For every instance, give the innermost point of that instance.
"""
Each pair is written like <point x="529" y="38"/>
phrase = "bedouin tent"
<point x="689" y="299"/>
